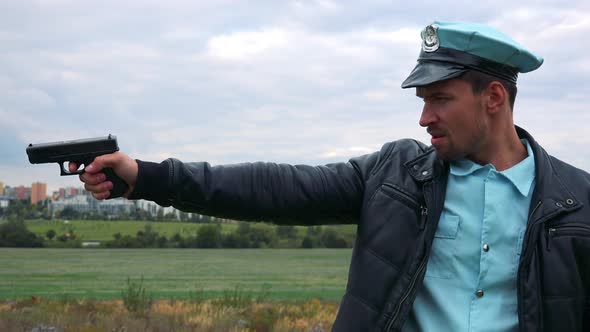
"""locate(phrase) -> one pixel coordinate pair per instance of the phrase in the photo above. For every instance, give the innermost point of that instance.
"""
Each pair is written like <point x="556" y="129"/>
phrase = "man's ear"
<point x="496" y="97"/>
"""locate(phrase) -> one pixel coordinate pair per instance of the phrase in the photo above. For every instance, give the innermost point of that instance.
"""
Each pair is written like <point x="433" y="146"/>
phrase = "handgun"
<point x="82" y="152"/>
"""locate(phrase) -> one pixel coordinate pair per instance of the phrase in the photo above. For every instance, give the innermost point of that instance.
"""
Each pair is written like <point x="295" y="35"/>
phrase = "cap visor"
<point x="429" y="72"/>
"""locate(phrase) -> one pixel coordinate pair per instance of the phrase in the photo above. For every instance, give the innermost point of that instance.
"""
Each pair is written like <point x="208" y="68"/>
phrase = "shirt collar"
<point x="464" y="167"/>
<point x="520" y="175"/>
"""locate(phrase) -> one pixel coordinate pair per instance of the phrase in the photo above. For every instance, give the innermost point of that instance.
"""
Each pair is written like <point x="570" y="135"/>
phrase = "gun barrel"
<point x="74" y="150"/>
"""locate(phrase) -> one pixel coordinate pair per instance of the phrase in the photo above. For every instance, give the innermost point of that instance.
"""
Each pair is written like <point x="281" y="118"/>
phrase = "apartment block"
<point x="38" y="192"/>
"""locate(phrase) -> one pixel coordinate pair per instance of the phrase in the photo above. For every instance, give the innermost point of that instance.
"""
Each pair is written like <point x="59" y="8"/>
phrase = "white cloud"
<point x="181" y="33"/>
<point x="93" y="54"/>
<point x="401" y="36"/>
<point x="346" y="153"/>
<point x="245" y="45"/>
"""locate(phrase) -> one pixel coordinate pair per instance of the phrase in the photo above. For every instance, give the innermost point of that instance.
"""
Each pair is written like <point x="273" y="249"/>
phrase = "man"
<point x="482" y="231"/>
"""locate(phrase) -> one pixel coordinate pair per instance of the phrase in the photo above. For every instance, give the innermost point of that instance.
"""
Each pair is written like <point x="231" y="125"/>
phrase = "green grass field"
<point x="285" y="274"/>
<point x="90" y="230"/>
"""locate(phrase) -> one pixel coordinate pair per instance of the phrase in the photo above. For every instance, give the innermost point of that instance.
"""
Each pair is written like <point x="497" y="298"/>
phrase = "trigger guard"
<point x="64" y="170"/>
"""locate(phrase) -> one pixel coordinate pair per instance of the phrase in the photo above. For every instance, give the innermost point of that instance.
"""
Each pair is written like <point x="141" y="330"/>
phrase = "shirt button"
<point x="486" y="247"/>
<point x="479" y="293"/>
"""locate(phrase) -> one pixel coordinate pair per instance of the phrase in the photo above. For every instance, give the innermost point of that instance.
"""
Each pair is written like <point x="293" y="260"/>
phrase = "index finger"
<point x="72" y="166"/>
<point x="101" y="162"/>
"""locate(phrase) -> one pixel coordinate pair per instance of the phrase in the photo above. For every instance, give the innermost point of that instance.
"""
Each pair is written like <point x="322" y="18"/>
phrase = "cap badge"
<point x="430" y="42"/>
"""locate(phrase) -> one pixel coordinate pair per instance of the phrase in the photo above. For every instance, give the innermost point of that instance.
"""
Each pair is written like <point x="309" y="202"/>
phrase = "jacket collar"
<point x="551" y="194"/>
<point x="426" y="166"/>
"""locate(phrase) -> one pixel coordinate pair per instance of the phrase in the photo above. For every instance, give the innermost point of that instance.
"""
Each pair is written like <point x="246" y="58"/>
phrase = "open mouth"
<point x="437" y="137"/>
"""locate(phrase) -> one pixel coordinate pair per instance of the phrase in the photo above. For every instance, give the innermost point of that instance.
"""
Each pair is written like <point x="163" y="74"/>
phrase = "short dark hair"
<point x="480" y="81"/>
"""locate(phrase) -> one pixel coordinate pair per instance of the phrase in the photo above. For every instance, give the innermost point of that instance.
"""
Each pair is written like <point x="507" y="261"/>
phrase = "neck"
<point x="503" y="151"/>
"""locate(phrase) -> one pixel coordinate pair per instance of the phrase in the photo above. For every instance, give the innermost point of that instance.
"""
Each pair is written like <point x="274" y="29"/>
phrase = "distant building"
<point x="77" y="203"/>
<point x="148" y="206"/>
<point x="22" y="193"/>
<point x="70" y="192"/>
<point x="114" y="207"/>
<point x="85" y="203"/>
<point x="1" y="188"/>
<point x="9" y="192"/>
<point x="4" y="202"/>
<point x="38" y="192"/>
<point x="81" y="201"/>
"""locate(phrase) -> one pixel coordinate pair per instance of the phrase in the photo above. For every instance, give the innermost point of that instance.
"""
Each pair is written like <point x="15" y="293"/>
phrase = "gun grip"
<point x="120" y="187"/>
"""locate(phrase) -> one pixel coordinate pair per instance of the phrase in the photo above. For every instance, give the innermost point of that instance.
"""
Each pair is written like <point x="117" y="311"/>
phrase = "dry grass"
<point x="166" y="315"/>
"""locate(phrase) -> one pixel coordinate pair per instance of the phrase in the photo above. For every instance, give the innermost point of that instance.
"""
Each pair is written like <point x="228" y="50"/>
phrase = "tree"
<point x="162" y="241"/>
<point x="171" y="216"/>
<point x="69" y="213"/>
<point x="177" y="237"/>
<point x="261" y="237"/>
<point x="126" y="241"/>
<point x="330" y="239"/>
<point x="148" y="237"/>
<point x="314" y="230"/>
<point x="233" y="240"/>
<point x="307" y="242"/>
<point x="243" y="228"/>
<point x="50" y="234"/>
<point x="14" y="233"/>
<point x="209" y="236"/>
<point x="288" y="232"/>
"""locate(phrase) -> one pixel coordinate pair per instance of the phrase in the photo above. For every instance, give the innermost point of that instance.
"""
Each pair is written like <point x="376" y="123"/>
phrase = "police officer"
<point x="480" y="231"/>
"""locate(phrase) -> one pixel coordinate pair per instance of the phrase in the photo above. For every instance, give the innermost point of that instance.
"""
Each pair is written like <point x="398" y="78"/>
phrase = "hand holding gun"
<point x="106" y="172"/>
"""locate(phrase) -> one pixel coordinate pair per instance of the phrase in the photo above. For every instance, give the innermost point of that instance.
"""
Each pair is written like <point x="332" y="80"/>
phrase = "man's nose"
<point x="428" y="117"/>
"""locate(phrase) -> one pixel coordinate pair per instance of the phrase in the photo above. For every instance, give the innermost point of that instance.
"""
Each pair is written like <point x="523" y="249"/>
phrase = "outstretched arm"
<point x="256" y="191"/>
<point x="294" y="194"/>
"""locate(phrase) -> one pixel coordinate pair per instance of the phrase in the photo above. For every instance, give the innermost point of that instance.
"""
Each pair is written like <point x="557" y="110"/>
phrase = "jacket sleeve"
<point x="281" y="193"/>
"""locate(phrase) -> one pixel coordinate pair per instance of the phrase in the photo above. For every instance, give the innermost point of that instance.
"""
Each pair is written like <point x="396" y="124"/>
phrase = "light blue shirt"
<point x="470" y="282"/>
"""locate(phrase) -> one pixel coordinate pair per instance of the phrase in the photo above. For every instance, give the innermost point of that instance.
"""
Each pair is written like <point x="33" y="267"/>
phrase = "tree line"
<point x="14" y="233"/>
<point x="245" y="236"/>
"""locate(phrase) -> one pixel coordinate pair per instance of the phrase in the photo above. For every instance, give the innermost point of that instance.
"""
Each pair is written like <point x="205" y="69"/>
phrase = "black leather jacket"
<point x="396" y="197"/>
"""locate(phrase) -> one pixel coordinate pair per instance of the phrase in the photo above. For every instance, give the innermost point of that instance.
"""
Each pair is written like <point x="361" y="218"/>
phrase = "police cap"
<point x="451" y="49"/>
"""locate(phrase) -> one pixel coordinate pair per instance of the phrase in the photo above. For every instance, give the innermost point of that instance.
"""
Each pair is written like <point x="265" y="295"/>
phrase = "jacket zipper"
<point x="406" y="197"/>
<point x="528" y="234"/>
<point x="413" y="202"/>
<point x="406" y="295"/>
<point x="570" y="229"/>
<point x="521" y="266"/>
<point x="423" y="215"/>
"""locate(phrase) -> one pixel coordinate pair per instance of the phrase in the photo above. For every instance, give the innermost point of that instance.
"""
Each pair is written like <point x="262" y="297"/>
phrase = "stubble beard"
<point x="450" y="152"/>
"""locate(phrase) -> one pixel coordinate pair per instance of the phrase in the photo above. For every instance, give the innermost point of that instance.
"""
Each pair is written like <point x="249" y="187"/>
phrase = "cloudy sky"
<point x="287" y="81"/>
